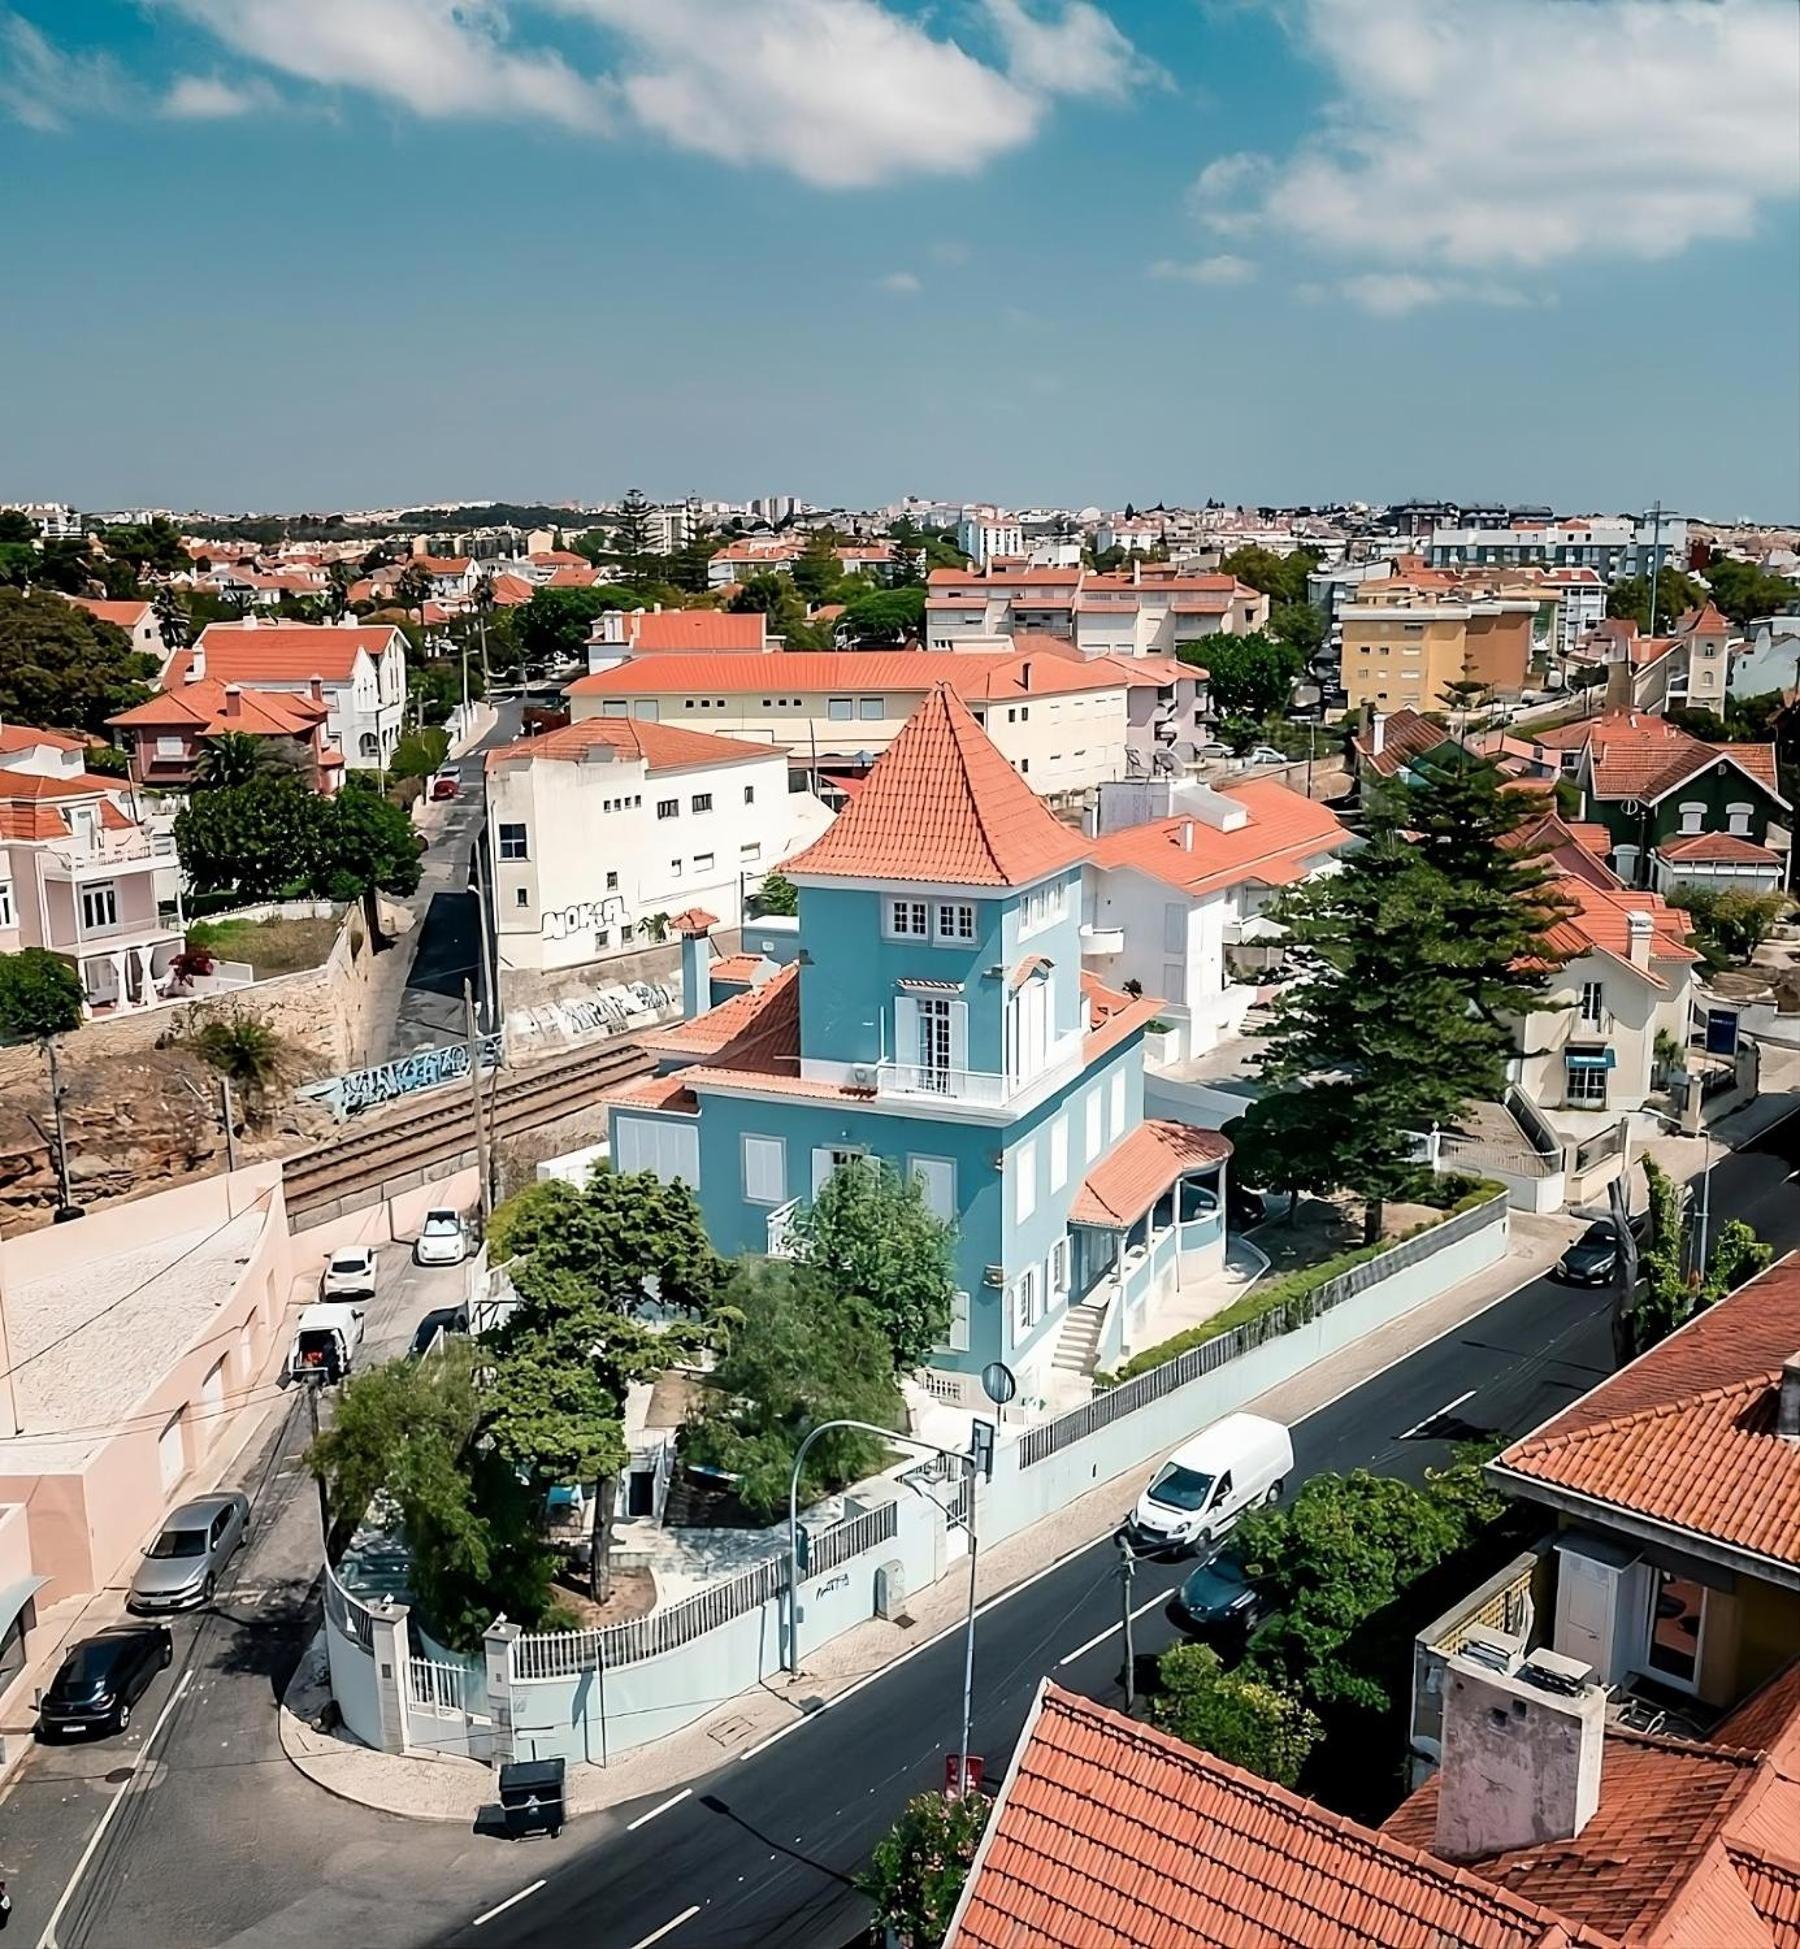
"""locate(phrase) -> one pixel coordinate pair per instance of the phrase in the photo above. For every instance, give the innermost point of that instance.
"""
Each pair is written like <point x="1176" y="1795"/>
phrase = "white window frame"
<point x="906" y="919"/>
<point x="1056" y="1270"/>
<point x="513" y="837"/>
<point x="1116" y="1096"/>
<point x="960" y="914"/>
<point x="871" y="710"/>
<point x="7" y="917"/>
<point x="1028" y="1301"/>
<point x="1059" y="1152"/>
<point x="1593" y="1002"/>
<point x="102" y="896"/>
<point x="1092" y="1135"/>
<point x="1693" y="818"/>
<point x="764" y="1163"/>
<point x="176" y="747"/>
<point x="1738" y="817"/>
<point x="1025" y="1167"/>
<point x="958" y="1340"/>
<point x="937" y="1184"/>
<point x="1585" y="1098"/>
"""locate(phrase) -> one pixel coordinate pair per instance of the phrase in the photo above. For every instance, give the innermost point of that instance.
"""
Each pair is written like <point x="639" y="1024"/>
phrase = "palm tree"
<point x="232" y="758"/>
<point x="337" y="583"/>
<point x="412" y="590"/>
<point x="246" y="1052"/>
<point x="172" y="618"/>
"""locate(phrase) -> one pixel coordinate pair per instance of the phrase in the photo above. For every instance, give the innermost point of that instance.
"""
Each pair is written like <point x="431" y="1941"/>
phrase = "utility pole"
<point x="473" y="1032"/>
<point x="226" y="1116"/>
<point x="1127" y="1565"/>
<point x="67" y="1208"/>
<point x="313" y="1384"/>
<point x="1656" y="515"/>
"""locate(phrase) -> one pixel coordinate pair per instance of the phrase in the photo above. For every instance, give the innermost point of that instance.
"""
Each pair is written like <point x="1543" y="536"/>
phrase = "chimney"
<point x="1787" y="1408"/>
<point x="234" y="700"/>
<point x="694" y="926"/>
<point x="196" y="669"/>
<point x="1186" y="832"/>
<point x="1521" y="1755"/>
<point x="315" y="689"/>
<point x="1639" y="929"/>
<point x="1025" y="676"/>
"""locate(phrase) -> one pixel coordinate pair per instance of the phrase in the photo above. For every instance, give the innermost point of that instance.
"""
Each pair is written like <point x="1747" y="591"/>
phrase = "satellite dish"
<point x="998" y="1382"/>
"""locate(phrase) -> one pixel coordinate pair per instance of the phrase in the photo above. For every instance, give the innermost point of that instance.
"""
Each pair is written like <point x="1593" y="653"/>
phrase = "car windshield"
<point x="1597" y="1238"/>
<point x="1181" y="1488"/>
<point x="87" y="1666"/>
<point x="1214" y="1585"/>
<point x="350" y="1262"/>
<point x="178" y="1542"/>
<point x="441" y="1224"/>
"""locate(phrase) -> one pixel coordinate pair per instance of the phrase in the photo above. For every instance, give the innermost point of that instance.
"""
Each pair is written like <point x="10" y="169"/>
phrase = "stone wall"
<point x="523" y="988"/>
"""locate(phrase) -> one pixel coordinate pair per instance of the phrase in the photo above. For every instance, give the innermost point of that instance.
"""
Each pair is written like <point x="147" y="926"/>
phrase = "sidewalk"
<point x="455" y="1789"/>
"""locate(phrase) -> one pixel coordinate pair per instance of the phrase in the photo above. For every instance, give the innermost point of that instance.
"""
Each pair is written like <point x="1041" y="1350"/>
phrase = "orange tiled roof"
<point x="1405" y="735"/>
<point x="24" y="737"/>
<point x="661" y="747"/>
<point x="1704" y="621"/>
<point x="1686" y="1434"/>
<point x="976" y="675"/>
<point x="30" y="821"/>
<point x="1724" y="846"/>
<point x="735" y="968"/>
<point x="205" y="709"/>
<point x="280" y="652"/>
<point x="1576" y="849"/>
<point x="1284" y="830"/>
<point x="1139" y="1169"/>
<point x="760" y="1027"/>
<point x="1598" y="917"/>
<point x="1634" y="755"/>
<point x="1112" y="1016"/>
<point x="1111" y="1835"/>
<point x="571" y="577"/>
<point x="125" y="615"/>
<point x="941" y="806"/>
<point x="669" y="1092"/>
<point x="669" y="630"/>
<point x="74" y="785"/>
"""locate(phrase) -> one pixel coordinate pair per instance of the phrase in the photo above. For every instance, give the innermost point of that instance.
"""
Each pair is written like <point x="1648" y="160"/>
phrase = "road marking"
<point x="48" y="1939"/>
<point x="500" y="1908"/>
<point x="668" y="1928"/>
<point x="1112" y="1630"/>
<point x="674" y="1800"/>
<point x="1437" y="1414"/>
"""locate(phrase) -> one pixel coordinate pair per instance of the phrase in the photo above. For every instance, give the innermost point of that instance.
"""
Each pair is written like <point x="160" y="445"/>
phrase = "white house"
<point x="986" y="537"/>
<point x="598" y="828"/>
<point x="361" y="669"/>
<point x="1166" y="898"/>
<point x="1147" y="609"/>
<point x="135" y="617"/>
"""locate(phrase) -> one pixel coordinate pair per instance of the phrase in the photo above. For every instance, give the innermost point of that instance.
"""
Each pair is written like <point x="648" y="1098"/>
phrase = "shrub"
<point x="1249" y="1721"/>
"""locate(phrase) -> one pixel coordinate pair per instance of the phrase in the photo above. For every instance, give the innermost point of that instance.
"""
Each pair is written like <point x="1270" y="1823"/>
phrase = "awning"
<point x="15" y="1596"/>
<point x="1589" y="1058"/>
<point x="1141" y="1167"/>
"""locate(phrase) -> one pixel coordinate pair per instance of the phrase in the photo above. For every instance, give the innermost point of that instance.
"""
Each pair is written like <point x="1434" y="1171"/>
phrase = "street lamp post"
<point x="970" y="1461"/>
<point x="1704" y="1216"/>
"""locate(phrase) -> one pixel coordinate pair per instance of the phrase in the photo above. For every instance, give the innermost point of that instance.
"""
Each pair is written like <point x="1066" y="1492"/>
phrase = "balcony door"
<point x="936" y="1059"/>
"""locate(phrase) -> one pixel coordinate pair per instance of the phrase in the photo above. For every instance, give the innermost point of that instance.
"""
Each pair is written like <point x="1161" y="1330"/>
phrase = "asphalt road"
<point x="762" y="1855"/>
<point x="219" y="1841"/>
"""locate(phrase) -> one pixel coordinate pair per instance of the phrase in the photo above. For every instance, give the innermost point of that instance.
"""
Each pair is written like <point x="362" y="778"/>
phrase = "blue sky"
<point x="281" y="253"/>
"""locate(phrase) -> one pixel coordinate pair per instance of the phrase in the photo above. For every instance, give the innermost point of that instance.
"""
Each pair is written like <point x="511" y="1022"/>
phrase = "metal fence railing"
<point x="852" y="1537"/>
<point x="432" y="1686"/>
<point x="1596" y="1150"/>
<point x="1051" y="1437"/>
<point x="350" y="1614"/>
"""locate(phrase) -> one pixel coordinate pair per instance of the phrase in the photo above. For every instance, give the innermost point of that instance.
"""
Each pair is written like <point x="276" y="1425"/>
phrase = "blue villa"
<point x="936" y="1016"/>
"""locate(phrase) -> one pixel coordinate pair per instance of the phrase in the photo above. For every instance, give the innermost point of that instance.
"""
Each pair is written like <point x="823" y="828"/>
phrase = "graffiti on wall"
<point x="582" y="918"/>
<point x="423" y="1069"/>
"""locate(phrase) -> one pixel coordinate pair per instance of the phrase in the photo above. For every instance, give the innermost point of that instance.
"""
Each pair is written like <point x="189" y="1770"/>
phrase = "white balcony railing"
<point x="96" y="858"/>
<point x="981" y="1088"/>
<point x="1102" y="940"/>
<point x="781" y="1230"/>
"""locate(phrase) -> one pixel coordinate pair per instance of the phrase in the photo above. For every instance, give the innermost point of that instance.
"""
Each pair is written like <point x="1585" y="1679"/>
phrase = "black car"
<point x="102" y="1678"/>
<point x="1218" y="1602"/>
<point x="442" y="1319"/>
<point x="1593" y="1260"/>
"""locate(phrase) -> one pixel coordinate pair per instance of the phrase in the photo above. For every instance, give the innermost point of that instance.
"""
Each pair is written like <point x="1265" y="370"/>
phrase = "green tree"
<point x="798" y="1353"/>
<point x="420" y="753"/>
<point x="70" y="566"/>
<point x="412" y="589"/>
<point x="883" y="619"/>
<point x="778" y="599"/>
<point x="244" y="1048"/>
<point x="17" y="526"/>
<point x="1300" y="626"/>
<point x="909" y="543"/>
<point x="338" y="577"/>
<point x="367" y="846"/>
<point x="259" y="840"/>
<point x="778" y="895"/>
<point x="818" y="570"/>
<point x="1246" y="1721"/>
<point x="554" y="625"/>
<point x="1675" y="594"/>
<point x="1282" y="578"/>
<point x="1730" y="925"/>
<point x="1248" y="676"/>
<point x="151" y="548"/>
<point x="233" y="758"/>
<point x="1745" y="591"/>
<point x="640" y="564"/>
<point x="870" y="1237"/>
<point x="915" y="1876"/>
<point x="1670" y="1290"/>
<point x="40" y="994"/>
<point x="173" y="617"/>
<point x="61" y="666"/>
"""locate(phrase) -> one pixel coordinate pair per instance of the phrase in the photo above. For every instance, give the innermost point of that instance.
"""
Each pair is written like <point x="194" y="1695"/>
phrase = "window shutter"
<point x="959" y="1035"/>
<point x="821" y="1169"/>
<point x="906" y="1030"/>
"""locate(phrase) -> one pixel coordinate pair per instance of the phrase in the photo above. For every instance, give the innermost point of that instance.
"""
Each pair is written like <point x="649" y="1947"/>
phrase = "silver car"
<point x="182" y="1567"/>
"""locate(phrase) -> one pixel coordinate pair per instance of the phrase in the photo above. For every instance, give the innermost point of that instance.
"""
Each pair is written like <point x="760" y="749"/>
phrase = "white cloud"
<point x="436" y="57"/>
<point x="1222" y="269"/>
<point x="1474" y="136"/>
<point x="1391" y="294"/>
<point x="1076" y="51"/>
<point x="903" y="284"/>
<point x="211" y="98"/>
<point x="43" y="86"/>
<point x="840" y="93"/>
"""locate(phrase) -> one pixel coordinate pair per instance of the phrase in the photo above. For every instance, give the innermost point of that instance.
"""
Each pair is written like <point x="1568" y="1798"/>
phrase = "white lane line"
<point x="668" y="1928"/>
<point x="48" y="1939"/>
<point x="1112" y="1630"/>
<point x="674" y="1800"/>
<point x="1437" y="1414"/>
<point x="501" y="1907"/>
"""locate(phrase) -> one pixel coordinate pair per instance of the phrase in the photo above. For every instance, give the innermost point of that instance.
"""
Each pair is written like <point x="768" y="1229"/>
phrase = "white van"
<point x="326" y="1338"/>
<point x="1208" y="1483"/>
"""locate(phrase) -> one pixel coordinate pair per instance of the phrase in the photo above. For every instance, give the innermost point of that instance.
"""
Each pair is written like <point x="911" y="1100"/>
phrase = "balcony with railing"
<point x="107" y="853"/>
<point x="980" y="1088"/>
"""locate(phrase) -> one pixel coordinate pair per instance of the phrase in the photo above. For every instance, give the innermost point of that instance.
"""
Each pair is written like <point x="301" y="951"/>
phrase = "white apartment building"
<point x="54" y="520"/>
<point x="1148" y="609"/>
<point x="361" y="669"/>
<point x="598" y="829"/>
<point x="1614" y="546"/>
<point x="985" y="538"/>
<point x="1169" y="896"/>
<point x="1580" y="604"/>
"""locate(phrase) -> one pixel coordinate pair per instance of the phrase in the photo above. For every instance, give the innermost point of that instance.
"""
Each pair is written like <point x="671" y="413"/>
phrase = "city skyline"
<point x="1042" y="254"/>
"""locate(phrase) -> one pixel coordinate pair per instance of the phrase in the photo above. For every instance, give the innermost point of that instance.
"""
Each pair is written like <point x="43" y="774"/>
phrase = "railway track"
<point x="368" y="1161"/>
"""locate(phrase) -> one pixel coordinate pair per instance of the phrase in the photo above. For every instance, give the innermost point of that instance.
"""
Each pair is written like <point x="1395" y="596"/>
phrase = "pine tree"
<point x="634" y="544"/>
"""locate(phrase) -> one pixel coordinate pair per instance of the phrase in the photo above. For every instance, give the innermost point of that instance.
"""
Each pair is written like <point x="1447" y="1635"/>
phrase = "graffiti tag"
<point x="423" y="1069"/>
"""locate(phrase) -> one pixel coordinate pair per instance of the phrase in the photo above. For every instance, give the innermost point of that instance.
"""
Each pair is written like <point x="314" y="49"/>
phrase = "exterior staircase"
<point x="1079" y="1341"/>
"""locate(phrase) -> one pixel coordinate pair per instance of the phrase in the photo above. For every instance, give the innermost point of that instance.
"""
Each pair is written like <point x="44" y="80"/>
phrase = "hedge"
<point x="1282" y="1292"/>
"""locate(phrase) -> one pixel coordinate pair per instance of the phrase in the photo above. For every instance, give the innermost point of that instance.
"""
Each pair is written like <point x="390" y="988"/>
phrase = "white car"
<point x="442" y="1239"/>
<point x="1266" y="754"/>
<point x="349" y="1273"/>
<point x="1207" y="1484"/>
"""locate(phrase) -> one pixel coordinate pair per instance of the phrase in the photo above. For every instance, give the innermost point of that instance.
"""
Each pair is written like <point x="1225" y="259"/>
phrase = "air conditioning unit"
<point x="862" y="1076"/>
<point x="993" y="1275"/>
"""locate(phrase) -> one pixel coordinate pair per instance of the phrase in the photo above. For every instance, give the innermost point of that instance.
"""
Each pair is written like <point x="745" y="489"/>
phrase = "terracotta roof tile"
<point x="1111" y="1835"/>
<point x="1634" y="755"/>
<point x="1768" y="1720"/>
<point x="976" y="675"/>
<point x="206" y="709"/>
<point x="1723" y="846"/>
<point x="1285" y="831"/>
<point x="735" y="968"/>
<point x="942" y="807"/>
<point x="754" y="1030"/>
<point x="1139" y="1169"/>
<point x="125" y="615"/>
<point x="668" y="630"/>
<point x="280" y="653"/>
<point x="1405" y="736"/>
<point x="25" y="737"/>
<point x="1112" y="1016"/>
<point x="660" y="747"/>
<point x="669" y="1092"/>
<point x="1686" y="1434"/>
<point x="1599" y="917"/>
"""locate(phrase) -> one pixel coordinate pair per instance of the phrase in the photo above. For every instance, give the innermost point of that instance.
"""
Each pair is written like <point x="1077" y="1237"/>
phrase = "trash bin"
<point x="531" y="1797"/>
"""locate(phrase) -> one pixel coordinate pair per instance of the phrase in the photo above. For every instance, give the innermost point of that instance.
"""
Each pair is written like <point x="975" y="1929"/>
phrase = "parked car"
<point x="440" y="1320"/>
<point x="1245" y="1207"/>
<point x="102" y="1678"/>
<point x="1219" y="1602"/>
<point x="1208" y="1483"/>
<point x="1213" y="749"/>
<point x="326" y="1338"/>
<point x="442" y="1239"/>
<point x="1265" y="754"/>
<point x="180" y="1569"/>
<point x="349" y="1273"/>
<point x="446" y="785"/>
<point x="1593" y="1260"/>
